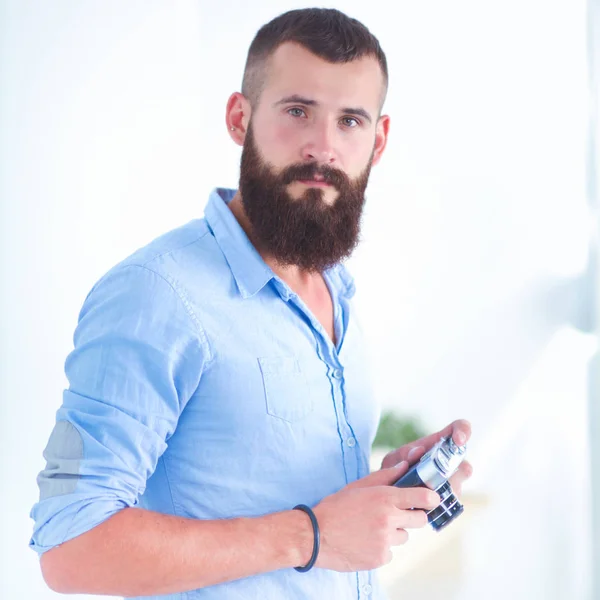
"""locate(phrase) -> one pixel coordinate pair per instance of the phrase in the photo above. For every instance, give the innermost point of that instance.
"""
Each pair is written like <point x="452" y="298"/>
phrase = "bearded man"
<point x="214" y="440"/>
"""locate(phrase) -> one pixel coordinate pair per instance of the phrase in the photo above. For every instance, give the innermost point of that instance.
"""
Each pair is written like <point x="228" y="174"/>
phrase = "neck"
<point x="298" y="279"/>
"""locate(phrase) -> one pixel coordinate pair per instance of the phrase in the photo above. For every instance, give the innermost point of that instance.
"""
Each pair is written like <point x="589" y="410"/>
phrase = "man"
<point x="217" y="378"/>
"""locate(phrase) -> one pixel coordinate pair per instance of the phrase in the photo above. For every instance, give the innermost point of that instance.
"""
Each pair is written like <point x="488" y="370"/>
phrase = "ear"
<point x="237" y="117"/>
<point x="381" y="136"/>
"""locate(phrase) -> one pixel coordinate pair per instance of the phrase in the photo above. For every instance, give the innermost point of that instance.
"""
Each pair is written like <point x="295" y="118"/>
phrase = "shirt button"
<point x="337" y="373"/>
<point x="351" y="442"/>
<point x="366" y="589"/>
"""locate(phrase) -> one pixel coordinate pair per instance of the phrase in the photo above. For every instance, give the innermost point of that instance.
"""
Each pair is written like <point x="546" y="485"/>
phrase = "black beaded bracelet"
<point x="317" y="542"/>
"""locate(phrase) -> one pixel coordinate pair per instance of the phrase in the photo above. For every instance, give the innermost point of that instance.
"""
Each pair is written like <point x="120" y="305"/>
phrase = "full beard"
<point x="305" y="231"/>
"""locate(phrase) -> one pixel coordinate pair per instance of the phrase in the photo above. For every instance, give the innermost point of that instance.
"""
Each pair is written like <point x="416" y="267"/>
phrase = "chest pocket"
<point x="287" y="393"/>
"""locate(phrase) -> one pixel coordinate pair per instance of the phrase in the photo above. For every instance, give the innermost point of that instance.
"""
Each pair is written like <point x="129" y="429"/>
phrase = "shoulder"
<point x="188" y="251"/>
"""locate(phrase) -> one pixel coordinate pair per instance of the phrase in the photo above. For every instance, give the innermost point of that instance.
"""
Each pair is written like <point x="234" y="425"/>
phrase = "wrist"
<point x="302" y="538"/>
<point x="317" y="537"/>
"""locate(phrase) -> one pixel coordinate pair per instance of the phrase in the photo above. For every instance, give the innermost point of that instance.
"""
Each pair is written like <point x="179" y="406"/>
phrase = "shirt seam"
<point x="167" y="252"/>
<point x="179" y="292"/>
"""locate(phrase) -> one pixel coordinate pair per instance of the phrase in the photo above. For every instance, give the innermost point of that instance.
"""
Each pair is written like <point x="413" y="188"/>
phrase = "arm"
<point x="137" y="552"/>
<point x="138" y="358"/>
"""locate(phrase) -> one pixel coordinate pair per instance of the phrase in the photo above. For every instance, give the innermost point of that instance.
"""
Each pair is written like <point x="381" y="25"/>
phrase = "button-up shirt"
<point x="201" y="385"/>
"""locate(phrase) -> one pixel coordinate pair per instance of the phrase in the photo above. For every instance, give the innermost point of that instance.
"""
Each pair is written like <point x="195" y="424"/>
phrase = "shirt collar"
<point x="249" y="270"/>
<point x="344" y="279"/>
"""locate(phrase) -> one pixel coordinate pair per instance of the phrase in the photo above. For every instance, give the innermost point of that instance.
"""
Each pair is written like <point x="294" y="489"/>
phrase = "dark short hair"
<point x="326" y="32"/>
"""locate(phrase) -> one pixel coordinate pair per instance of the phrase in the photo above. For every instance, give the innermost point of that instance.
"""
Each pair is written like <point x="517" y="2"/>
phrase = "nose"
<point x="319" y="146"/>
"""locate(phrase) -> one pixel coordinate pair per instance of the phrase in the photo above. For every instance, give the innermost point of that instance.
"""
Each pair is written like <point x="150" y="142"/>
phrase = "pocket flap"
<point x="287" y="393"/>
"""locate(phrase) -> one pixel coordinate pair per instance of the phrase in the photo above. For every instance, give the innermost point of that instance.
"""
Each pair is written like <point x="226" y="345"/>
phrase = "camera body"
<point x="433" y="471"/>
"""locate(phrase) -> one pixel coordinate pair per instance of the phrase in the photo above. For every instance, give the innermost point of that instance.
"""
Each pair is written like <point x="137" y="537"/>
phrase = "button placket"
<point x="365" y="589"/>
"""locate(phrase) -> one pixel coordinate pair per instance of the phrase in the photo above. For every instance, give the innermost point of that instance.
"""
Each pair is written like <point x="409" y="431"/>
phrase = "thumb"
<point x="381" y="477"/>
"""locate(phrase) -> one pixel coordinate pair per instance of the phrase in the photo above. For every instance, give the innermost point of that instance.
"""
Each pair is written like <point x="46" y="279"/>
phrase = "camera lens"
<point x="448" y="509"/>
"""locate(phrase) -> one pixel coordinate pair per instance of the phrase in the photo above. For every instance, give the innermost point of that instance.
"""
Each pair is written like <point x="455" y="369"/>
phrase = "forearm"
<point x="138" y="552"/>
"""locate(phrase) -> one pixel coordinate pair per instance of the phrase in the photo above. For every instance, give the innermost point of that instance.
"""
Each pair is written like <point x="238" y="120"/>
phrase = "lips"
<point x="319" y="182"/>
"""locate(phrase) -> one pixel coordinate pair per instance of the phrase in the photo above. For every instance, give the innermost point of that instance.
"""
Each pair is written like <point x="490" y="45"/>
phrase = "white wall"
<point x="475" y="235"/>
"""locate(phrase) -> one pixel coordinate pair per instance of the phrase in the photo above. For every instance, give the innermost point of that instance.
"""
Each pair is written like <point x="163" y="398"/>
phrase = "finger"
<point x="417" y="497"/>
<point x="462" y="474"/>
<point x="464" y="471"/>
<point x="411" y="519"/>
<point x="415" y="454"/>
<point x="410" y="453"/>
<point x="459" y="430"/>
<point x="381" y="477"/>
<point x="457" y="489"/>
<point x="392" y="458"/>
<point x="398" y="537"/>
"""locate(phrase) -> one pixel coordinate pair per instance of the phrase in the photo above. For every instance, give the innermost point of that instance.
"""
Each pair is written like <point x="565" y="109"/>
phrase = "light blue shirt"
<point x="200" y="385"/>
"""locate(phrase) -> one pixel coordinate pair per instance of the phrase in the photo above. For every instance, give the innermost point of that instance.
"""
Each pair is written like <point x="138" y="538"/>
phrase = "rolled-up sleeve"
<point x="139" y="353"/>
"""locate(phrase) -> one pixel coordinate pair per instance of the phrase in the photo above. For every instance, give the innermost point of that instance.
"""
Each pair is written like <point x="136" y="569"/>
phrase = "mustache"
<point x="328" y="174"/>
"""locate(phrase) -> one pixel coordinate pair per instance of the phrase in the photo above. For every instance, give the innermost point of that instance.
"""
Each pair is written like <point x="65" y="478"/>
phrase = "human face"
<point x="309" y="145"/>
<point x="313" y="111"/>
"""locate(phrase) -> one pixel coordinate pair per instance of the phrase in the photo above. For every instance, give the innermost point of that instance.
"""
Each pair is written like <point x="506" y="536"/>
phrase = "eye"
<point x="299" y="110"/>
<point x="351" y="122"/>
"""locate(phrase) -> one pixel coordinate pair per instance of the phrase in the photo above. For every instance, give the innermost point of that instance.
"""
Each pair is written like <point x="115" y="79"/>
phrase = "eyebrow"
<point x="297" y="99"/>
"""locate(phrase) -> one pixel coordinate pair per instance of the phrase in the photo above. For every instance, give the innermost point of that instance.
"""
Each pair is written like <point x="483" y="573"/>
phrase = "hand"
<point x="360" y="522"/>
<point x="460" y="431"/>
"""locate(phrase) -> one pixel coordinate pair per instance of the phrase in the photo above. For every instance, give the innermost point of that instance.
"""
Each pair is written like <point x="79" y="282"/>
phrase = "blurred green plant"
<point x="395" y="431"/>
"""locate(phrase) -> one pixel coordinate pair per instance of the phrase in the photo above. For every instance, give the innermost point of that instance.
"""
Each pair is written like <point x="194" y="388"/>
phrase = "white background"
<point x="471" y="275"/>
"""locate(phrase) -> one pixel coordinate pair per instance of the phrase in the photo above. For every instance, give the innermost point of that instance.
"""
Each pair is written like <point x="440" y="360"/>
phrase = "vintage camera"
<point x="433" y="471"/>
